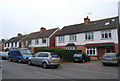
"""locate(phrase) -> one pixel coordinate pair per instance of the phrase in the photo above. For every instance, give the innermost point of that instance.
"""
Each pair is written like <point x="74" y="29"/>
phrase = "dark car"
<point x="80" y="57"/>
<point x="111" y="58"/>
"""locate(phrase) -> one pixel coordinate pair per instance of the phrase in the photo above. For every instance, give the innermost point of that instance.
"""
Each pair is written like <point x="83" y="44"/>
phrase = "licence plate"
<point x="76" y="59"/>
<point x="56" y="60"/>
<point x="109" y="59"/>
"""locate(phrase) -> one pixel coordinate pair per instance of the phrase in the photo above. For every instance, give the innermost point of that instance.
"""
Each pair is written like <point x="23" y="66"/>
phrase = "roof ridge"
<point x="91" y="21"/>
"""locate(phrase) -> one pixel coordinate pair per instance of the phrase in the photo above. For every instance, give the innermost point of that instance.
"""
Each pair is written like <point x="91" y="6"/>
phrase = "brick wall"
<point x="81" y="47"/>
<point x="52" y="39"/>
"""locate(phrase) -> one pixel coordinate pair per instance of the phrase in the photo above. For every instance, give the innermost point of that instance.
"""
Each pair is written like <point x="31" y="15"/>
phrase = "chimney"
<point x="19" y="34"/>
<point x="42" y="29"/>
<point x="86" y="20"/>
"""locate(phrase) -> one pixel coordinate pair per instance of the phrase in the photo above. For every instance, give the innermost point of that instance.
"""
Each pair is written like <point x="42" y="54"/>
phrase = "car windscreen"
<point x="109" y="55"/>
<point x="54" y="55"/>
<point x="25" y="52"/>
<point x="78" y="55"/>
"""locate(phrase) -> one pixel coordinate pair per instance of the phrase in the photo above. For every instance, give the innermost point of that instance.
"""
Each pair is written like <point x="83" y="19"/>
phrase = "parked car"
<point x="0" y="63"/>
<point x="45" y="59"/>
<point x="4" y="55"/>
<point x="19" y="54"/>
<point x="111" y="58"/>
<point x="80" y="57"/>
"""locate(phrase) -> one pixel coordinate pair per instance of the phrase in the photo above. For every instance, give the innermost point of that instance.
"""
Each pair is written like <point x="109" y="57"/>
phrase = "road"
<point x="88" y="70"/>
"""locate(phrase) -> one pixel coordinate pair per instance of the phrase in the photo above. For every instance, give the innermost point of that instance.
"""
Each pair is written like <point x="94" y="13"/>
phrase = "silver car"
<point x="4" y="55"/>
<point x="45" y="59"/>
<point x="111" y="58"/>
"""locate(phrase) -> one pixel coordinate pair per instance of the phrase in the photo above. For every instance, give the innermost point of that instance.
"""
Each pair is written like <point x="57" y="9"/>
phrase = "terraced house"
<point x="14" y="42"/>
<point x="92" y="37"/>
<point x="42" y="38"/>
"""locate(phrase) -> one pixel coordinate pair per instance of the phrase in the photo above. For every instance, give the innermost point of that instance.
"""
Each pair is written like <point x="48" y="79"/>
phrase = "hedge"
<point x="65" y="55"/>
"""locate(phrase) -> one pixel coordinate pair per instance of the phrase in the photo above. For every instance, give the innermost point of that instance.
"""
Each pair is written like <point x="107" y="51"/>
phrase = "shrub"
<point x="65" y="55"/>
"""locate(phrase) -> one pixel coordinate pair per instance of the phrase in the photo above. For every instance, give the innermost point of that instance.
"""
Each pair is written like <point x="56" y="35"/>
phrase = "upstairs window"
<point x="43" y="40"/>
<point x="5" y="44"/>
<point x="89" y="35"/>
<point x="106" y="34"/>
<point x="15" y="44"/>
<point x="107" y="23"/>
<point x="61" y="38"/>
<point x="73" y="37"/>
<point x="12" y="44"/>
<point x="8" y="44"/>
<point x="36" y="41"/>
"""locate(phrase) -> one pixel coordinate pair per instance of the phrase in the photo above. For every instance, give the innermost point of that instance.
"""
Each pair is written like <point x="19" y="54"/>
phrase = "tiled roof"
<point x="15" y="39"/>
<point x="109" y="23"/>
<point x="36" y="35"/>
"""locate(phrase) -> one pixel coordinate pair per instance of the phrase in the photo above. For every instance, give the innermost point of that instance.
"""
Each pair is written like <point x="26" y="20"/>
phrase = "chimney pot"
<point x="86" y="20"/>
<point x="42" y="29"/>
<point x="19" y="34"/>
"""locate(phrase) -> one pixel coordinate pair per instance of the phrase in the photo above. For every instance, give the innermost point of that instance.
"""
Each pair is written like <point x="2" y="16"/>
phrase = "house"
<point x="2" y="41"/>
<point x="42" y="38"/>
<point x="14" y="42"/>
<point x="119" y="26"/>
<point x="92" y="37"/>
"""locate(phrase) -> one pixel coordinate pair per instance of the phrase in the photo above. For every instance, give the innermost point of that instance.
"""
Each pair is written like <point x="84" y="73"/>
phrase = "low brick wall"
<point x="94" y="58"/>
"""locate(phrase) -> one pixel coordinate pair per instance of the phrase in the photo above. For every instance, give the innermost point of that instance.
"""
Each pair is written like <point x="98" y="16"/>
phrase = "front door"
<point x="101" y="51"/>
<point x="107" y="50"/>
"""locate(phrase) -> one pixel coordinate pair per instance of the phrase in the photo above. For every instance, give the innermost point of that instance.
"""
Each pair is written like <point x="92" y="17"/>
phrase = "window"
<point x="71" y="47"/>
<point x="61" y="38"/>
<point x="43" y="40"/>
<point x="43" y="55"/>
<point x="36" y="41"/>
<point x="8" y="44"/>
<point x="73" y="37"/>
<point x="15" y="44"/>
<point x="91" y="51"/>
<point x="12" y="44"/>
<point x="106" y="34"/>
<point x="89" y="35"/>
<point x="113" y="20"/>
<point x="36" y="55"/>
<point x="5" y="44"/>
<point x="107" y="23"/>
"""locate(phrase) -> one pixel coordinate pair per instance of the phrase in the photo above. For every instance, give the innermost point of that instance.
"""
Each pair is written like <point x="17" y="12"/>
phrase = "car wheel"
<point x="56" y="66"/>
<point x="83" y="61"/>
<point x="104" y="64"/>
<point x="74" y="61"/>
<point x="117" y="64"/>
<point x="3" y="58"/>
<point x="19" y="60"/>
<point x="44" y="65"/>
<point x="29" y="62"/>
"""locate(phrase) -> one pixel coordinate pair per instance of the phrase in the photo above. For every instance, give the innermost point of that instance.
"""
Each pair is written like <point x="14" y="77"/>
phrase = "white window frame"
<point x="43" y="40"/>
<point x="71" y="47"/>
<point x="89" y="36"/>
<point x="36" y="41"/>
<point x="73" y="37"/>
<point x="91" y="51"/>
<point x="105" y="34"/>
<point x="61" y="39"/>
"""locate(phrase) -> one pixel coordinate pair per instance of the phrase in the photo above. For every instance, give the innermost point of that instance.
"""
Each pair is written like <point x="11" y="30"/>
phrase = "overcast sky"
<point x="26" y="16"/>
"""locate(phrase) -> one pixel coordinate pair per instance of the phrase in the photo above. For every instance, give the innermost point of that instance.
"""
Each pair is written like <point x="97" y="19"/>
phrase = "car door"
<point x="35" y="57"/>
<point x="42" y="56"/>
